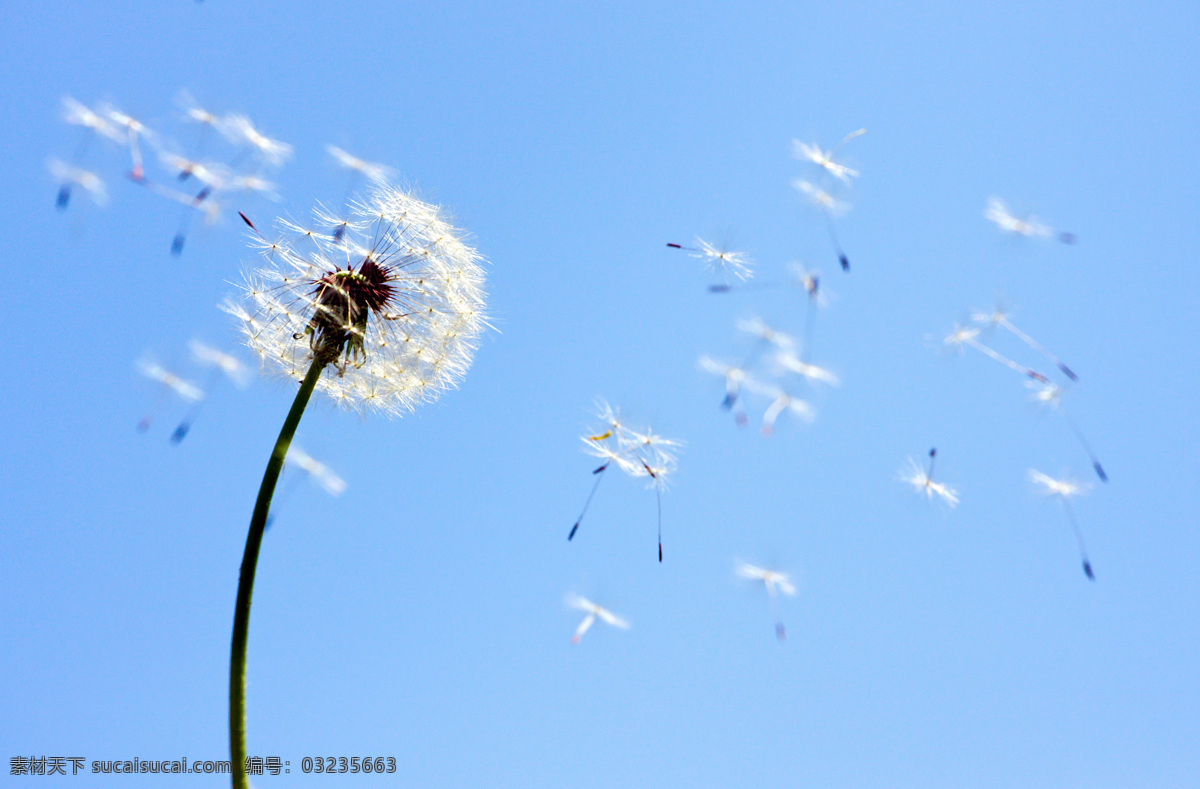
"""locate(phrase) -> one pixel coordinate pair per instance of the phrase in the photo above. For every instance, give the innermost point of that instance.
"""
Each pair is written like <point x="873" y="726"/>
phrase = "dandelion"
<point x="1050" y="396"/>
<point x="720" y="260"/>
<point x="830" y="207"/>
<point x="774" y="582"/>
<point x="1064" y="489"/>
<point x="593" y="612"/>
<point x="638" y="454"/>
<point x="921" y="480"/>
<point x="968" y="335"/>
<point x="999" y="317"/>
<point x="1029" y="227"/>
<point x="824" y="159"/>
<point x="380" y="323"/>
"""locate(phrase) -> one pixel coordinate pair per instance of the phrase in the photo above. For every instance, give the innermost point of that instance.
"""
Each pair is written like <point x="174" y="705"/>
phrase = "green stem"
<point x="241" y="614"/>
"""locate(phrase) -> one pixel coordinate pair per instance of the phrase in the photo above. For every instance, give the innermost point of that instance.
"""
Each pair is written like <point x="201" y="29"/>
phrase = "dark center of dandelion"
<point x="344" y="300"/>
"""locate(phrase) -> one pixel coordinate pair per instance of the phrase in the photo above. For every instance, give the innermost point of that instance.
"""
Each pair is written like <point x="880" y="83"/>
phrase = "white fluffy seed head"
<point x="411" y="338"/>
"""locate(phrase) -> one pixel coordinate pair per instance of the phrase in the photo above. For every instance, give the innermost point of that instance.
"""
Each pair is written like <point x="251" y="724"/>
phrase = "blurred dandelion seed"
<point x="1064" y="489"/>
<point x="1030" y="226"/>
<point x="830" y="208"/>
<point x="169" y="383"/>
<point x="636" y="453"/>
<point x="735" y="377"/>
<point x="593" y="612"/>
<point x="774" y="582"/>
<point x="69" y="177"/>
<point x="1050" y="396"/>
<point x="321" y="474"/>
<point x="781" y="402"/>
<point x="375" y="173"/>
<point x="921" y="480"/>
<point x="74" y="174"/>
<point x="222" y="364"/>
<point x="133" y="131"/>
<point x="999" y="317"/>
<point x="968" y="335"/>
<point x="239" y="130"/>
<point x="720" y="260"/>
<point x="824" y="159"/>
<point x="811" y="372"/>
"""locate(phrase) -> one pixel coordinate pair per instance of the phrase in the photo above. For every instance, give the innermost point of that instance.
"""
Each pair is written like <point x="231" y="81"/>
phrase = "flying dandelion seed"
<point x="921" y="480"/>
<point x="1050" y="396"/>
<point x="321" y="474"/>
<point x="802" y="278"/>
<point x="830" y="208"/>
<point x="593" y="612"/>
<point x="73" y="174"/>
<point x="812" y="373"/>
<point x="222" y="364"/>
<point x="134" y="131"/>
<point x="239" y="130"/>
<point x="1029" y="227"/>
<point x="374" y="173"/>
<point x="774" y="582"/>
<point x="636" y="453"/>
<point x="824" y="159"/>
<point x="70" y="177"/>
<point x="170" y="383"/>
<point x="720" y="260"/>
<point x="968" y="335"/>
<point x="781" y="403"/>
<point x="999" y="317"/>
<point x="734" y="377"/>
<point x="1064" y="489"/>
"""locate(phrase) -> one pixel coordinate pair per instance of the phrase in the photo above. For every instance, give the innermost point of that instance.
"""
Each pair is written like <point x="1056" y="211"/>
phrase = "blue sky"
<point x="420" y="614"/>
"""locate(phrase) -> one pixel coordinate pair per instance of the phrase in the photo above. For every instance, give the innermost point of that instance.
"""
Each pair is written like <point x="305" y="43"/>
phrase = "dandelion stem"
<point x="241" y="614"/>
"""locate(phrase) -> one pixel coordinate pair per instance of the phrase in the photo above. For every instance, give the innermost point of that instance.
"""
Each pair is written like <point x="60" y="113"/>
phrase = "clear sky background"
<point x="420" y="614"/>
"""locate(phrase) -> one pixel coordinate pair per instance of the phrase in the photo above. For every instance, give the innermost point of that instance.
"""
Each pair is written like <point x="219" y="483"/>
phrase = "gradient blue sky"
<point x="420" y="615"/>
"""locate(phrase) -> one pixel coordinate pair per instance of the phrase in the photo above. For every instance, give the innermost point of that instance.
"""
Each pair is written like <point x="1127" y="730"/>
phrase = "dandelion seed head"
<point x="395" y="313"/>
